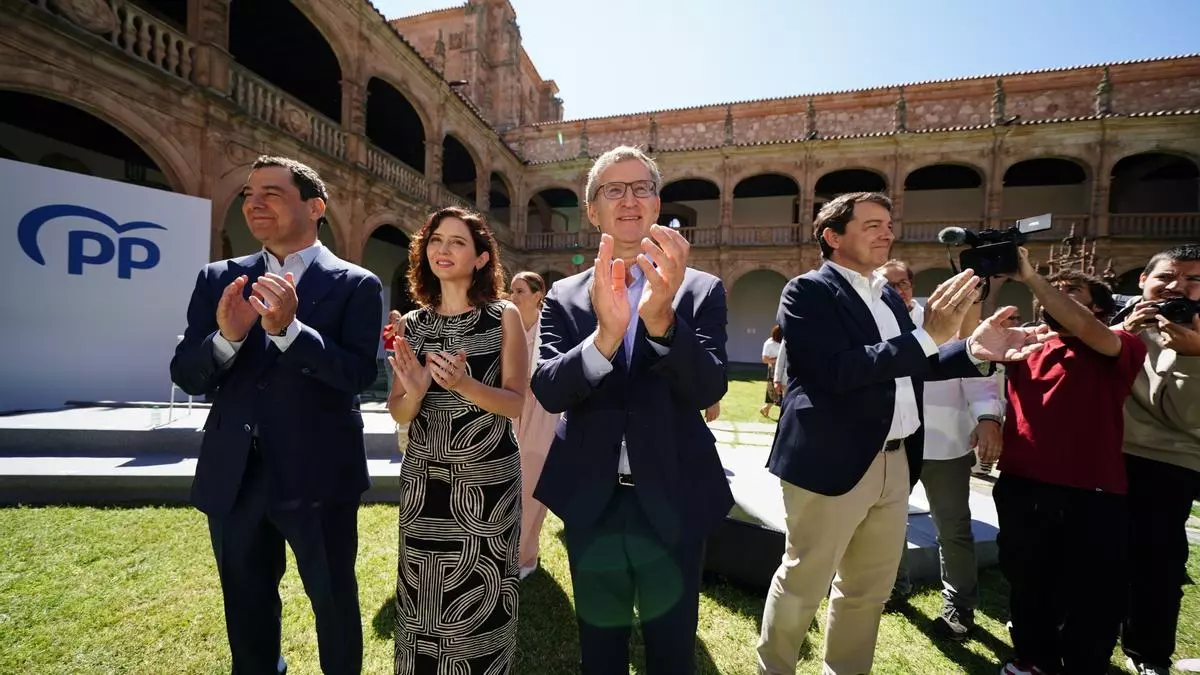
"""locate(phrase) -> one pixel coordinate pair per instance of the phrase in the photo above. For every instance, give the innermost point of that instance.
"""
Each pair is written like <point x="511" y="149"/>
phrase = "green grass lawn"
<point x="125" y="591"/>
<point x="747" y="385"/>
<point x="89" y="590"/>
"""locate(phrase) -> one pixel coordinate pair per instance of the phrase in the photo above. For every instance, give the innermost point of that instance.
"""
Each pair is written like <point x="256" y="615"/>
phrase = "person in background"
<point x="770" y="354"/>
<point x="535" y="427"/>
<point x="1162" y="457"/>
<point x="1060" y="497"/>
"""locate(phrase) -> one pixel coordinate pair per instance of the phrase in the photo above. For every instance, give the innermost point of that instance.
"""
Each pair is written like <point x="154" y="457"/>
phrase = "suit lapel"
<point x="903" y="320"/>
<point x="317" y="281"/>
<point x="851" y="300"/>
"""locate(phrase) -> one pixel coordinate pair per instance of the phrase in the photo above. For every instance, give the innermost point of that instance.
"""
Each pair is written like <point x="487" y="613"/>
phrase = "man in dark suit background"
<point x="283" y="341"/>
<point x="631" y="351"/>
<point x="849" y="444"/>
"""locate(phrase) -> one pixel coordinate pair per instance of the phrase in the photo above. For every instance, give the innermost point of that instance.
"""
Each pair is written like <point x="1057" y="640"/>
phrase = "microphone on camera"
<point x="956" y="236"/>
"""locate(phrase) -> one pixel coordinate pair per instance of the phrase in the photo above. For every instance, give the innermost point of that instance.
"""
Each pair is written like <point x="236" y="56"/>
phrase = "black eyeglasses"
<point x="616" y="190"/>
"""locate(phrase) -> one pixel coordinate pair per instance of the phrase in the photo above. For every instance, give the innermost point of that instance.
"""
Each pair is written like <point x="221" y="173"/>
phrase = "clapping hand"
<point x="235" y="315"/>
<point x="664" y="262"/>
<point x="411" y="376"/>
<point x="992" y="340"/>
<point x="448" y="370"/>
<point x="609" y="298"/>
<point x="275" y="301"/>
<point x="948" y="305"/>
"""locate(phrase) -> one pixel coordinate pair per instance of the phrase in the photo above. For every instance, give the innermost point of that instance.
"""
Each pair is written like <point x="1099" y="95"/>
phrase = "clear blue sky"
<point x="623" y="56"/>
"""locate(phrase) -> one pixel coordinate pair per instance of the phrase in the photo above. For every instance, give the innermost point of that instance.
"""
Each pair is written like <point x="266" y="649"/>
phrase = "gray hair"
<point x="620" y="153"/>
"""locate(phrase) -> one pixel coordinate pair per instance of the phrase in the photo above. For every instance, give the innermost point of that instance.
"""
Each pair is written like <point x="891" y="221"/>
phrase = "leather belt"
<point x="625" y="479"/>
<point x="893" y="445"/>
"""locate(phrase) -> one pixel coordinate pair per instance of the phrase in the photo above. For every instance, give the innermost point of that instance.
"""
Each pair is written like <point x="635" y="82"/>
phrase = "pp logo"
<point x="131" y="253"/>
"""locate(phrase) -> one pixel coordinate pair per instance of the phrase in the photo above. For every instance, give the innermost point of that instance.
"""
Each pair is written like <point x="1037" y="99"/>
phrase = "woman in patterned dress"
<point x="461" y="370"/>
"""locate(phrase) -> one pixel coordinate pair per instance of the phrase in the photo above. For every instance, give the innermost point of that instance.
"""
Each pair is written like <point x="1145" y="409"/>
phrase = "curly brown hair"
<point x="486" y="283"/>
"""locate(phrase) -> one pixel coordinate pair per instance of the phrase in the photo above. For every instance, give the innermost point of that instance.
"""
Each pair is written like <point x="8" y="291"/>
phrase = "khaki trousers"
<point x="858" y="536"/>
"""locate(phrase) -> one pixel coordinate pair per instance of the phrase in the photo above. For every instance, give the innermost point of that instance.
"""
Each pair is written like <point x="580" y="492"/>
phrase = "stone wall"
<point x="1122" y="89"/>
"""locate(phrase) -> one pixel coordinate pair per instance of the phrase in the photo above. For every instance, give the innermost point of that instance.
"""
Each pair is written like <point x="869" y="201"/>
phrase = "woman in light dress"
<point x="535" y="427"/>
<point x="770" y="354"/>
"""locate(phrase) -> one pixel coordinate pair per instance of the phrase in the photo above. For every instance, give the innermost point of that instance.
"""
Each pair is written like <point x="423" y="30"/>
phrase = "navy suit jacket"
<point x="655" y="404"/>
<point x="841" y="390"/>
<point x="304" y="401"/>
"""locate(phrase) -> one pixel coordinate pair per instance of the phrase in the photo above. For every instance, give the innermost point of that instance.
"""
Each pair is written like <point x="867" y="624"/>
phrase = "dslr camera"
<point x="1179" y="310"/>
<point x="993" y="252"/>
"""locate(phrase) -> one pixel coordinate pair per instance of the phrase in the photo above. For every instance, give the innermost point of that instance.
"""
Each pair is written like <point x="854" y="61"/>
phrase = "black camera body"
<point x="994" y="252"/>
<point x="1179" y="310"/>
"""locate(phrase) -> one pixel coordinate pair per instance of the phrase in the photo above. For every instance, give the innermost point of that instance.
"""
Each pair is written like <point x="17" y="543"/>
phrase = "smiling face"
<point x="451" y="251"/>
<point x="276" y="214"/>
<point x="867" y="241"/>
<point x="629" y="217"/>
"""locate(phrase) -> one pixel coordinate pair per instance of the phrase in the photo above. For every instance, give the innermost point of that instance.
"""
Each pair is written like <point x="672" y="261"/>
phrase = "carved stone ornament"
<point x="91" y="15"/>
<point x="295" y="121"/>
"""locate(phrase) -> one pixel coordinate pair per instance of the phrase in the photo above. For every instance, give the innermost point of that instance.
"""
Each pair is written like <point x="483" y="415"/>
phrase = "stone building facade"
<point x="446" y="107"/>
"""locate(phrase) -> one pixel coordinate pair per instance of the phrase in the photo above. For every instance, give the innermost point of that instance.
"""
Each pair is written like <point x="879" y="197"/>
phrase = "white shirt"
<point x="296" y="263"/>
<point x="906" y="419"/>
<point x="953" y="408"/>
<point x="771" y="349"/>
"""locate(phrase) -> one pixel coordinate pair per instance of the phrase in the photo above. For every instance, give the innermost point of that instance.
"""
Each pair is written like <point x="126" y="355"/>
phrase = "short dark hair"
<point x="1102" y="296"/>
<point x="486" y="283"/>
<point x="304" y="177"/>
<point x="839" y="211"/>
<point x="1182" y="253"/>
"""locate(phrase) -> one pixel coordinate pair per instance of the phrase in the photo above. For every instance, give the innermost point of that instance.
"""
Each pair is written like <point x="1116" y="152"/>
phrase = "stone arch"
<point x="121" y="115"/>
<point x="1130" y="150"/>
<point x="385" y="251"/>
<point x="389" y="123"/>
<point x="788" y="169"/>
<point x="397" y="83"/>
<point x="320" y="93"/>
<point x="1088" y="170"/>
<point x="1154" y="181"/>
<point x="753" y="301"/>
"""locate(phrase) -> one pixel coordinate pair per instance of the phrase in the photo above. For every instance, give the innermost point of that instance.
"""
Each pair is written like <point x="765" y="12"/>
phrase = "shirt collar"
<point x="306" y="255"/>
<point x="873" y="284"/>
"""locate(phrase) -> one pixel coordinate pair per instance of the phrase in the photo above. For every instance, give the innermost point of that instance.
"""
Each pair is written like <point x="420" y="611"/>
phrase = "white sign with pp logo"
<point x="95" y="277"/>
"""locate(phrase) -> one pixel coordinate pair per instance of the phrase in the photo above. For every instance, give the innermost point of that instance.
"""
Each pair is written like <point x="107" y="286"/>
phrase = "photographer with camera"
<point x="1162" y="452"/>
<point x="1060" y="497"/>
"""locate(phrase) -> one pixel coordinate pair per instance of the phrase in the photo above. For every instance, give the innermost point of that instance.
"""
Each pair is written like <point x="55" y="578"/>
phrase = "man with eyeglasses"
<point x="630" y="350"/>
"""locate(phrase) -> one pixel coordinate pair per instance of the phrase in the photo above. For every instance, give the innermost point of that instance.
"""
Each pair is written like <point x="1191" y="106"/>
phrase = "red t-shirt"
<point x="389" y="338"/>
<point x="1066" y="421"/>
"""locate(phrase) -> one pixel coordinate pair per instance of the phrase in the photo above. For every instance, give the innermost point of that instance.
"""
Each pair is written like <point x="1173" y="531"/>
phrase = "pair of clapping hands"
<point x="447" y="369"/>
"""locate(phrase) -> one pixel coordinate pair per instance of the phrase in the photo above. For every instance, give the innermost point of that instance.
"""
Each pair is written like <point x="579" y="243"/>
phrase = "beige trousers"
<point x="859" y="536"/>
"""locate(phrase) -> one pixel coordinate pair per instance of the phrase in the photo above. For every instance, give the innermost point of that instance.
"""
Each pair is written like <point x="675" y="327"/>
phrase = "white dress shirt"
<point x="296" y="263"/>
<point x="953" y="408"/>
<point x="906" y="419"/>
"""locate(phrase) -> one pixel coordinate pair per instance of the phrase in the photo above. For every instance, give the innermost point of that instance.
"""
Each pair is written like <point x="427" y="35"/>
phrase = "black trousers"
<point x="619" y="561"/>
<point x="1061" y="549"/>
<point x="249" y="547"/>
<point x="1160" y="501"/>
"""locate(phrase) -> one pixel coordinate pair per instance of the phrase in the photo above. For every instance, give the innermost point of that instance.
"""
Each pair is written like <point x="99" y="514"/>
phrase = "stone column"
<point x="1101" y="188"/>
<point x="208" y="26"/>
<point x="483" y="188"/>
<point x="354" y="120"/>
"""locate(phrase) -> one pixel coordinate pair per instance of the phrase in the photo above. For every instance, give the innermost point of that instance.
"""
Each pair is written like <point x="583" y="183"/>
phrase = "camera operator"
<point x="1060" y="497"/>
<point x="1162" y="456"/>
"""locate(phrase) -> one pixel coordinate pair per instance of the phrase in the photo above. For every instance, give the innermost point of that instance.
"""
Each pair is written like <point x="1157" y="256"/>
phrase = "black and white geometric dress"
<point x="456" y="587"/>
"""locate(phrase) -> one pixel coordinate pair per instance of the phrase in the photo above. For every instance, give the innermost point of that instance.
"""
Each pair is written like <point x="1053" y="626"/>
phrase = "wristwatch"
<point x="990" y="418"/>
<point x="666" y="339"/>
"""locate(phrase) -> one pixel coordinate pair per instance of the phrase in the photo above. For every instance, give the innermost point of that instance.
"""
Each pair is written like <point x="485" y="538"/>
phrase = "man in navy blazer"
<point x="283" y="341"/>
<point x="848" y="447"/>
<point x="631" y="351"/>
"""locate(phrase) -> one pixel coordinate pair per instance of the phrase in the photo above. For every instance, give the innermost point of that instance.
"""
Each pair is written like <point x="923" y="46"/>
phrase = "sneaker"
<point x="955" y="622"/>
<point x="1145" y="669"/>
<point x="1021" y="668"/>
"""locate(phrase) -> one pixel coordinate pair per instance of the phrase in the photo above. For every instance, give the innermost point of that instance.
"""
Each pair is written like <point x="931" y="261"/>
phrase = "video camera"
<point x="1179" y="310"/>
<point x="993" y="252"/>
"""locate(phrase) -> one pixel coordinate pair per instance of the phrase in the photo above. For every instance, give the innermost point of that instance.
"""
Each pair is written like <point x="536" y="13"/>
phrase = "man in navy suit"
<point x="848" y="447"/>
<point x="283" y="341"/>
<point x="632" y="350"/>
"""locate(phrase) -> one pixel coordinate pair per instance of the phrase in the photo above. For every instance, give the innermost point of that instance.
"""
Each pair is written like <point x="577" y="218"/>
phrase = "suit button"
<point x="246" y="428"/>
